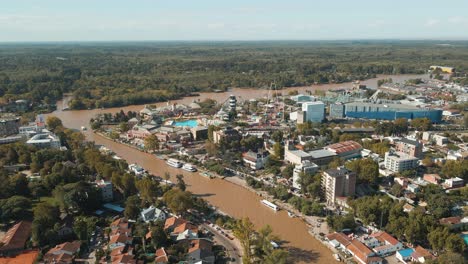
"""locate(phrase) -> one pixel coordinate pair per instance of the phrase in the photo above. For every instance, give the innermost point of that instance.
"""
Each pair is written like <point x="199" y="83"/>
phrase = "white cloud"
<point x="432" y="22"/>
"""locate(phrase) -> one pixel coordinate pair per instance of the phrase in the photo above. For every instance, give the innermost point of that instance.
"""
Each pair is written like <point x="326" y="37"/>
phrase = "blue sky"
<point x="104" y="20"/>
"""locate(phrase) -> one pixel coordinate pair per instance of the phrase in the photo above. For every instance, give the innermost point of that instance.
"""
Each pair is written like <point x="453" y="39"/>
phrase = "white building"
<point x="255" y="160"/>
<point x="137" y="169"/>
<point x="45" y="140"/>
<point x="313" y="111"/>
<point x="398" y="161"/>
<point x="440" y="140"/>
<point x="305" y="167"/>
<point x="151" y="214"/>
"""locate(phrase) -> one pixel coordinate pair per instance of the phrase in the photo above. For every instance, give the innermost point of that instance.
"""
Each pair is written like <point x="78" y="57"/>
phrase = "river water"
<point x="228" y="197"/>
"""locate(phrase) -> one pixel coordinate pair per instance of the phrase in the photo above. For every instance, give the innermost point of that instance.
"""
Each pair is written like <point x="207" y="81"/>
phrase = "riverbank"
<point x="311" y="222"/>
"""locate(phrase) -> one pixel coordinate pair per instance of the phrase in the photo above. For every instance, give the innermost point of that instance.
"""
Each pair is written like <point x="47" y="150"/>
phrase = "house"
<point x="187" y="234"/>
<point x="432" y="178"/>
<point x="404" y="255"/>
<point x="412" y="188"/>
<point x="200" y="251"/>
<point x="119" y="240"/>
<point x="63" y="253"/>
<point x="123" y="259"/>
<point x="440" y="140"/>
<point x="255" y="160"/>
<point x="26" y="257"/>
<point x="172" y="222"/>
<point x="152" y="213"/>
<point x="15" y="239"/>
<point x="421" y="254"/>
<point x="361" y="253"/>
<point x="389" y="244"/>
<point x="457" y="155"/>
<point x="454" y="183"/>
<point x="454" y="222"/>
<point x="161" y="256"/>
<point x="338" y="240"/>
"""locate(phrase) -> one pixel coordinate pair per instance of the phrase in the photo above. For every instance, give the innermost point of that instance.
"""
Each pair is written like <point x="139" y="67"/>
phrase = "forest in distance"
<point x="112" y="74"/>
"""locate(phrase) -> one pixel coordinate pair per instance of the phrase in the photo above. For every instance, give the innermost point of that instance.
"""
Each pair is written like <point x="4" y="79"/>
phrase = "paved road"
<point x="233" y="249"/>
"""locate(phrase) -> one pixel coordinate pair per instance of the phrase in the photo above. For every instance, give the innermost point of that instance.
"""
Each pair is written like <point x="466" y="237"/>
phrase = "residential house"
<point x="152" y="214"/>
<point x="228" y="134"/>
<point x="454" y="183"/>
<point x="432" y="178"/>
<point x="141" y="131"/>
<point x="200" y="251"/>
<point x="454" y="222"/>
<point x="172" y="222"/>
<point x="421" y="254"/>
<point x="26" y="257"/>
<point x="15" y="239"/>
<point x="63" y="253"/>
<point x="339" y="240"/>
<point x="388" y="244"/>
<point x="361" y="253"/>
<point x="161" y="256"/>
<point x="410" y="147"/>
<point x="255" y="160"/>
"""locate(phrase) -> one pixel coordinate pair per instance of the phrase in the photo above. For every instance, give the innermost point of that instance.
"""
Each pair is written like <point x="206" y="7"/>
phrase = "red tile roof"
<point x="340" y="237"/>
<point x="359" y="250"/>
<point x="450" y="220"/>
<point x="119" y="238"/>
<point x="16" y="237"/>
<point x="386" y="238"/>
<point x="58" y="254"/>
<point x="344" y="146"/>
<point x="173" y="222"/>
<point x="161" y="256"/>
<point x="27" y="257"/>
<point x="200" y="244"/>
<point x="182" y="227"/>
<point x="420" y="252"/>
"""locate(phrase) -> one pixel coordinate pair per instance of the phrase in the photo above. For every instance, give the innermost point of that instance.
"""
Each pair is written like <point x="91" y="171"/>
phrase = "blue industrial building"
<point x="390" y="111"/>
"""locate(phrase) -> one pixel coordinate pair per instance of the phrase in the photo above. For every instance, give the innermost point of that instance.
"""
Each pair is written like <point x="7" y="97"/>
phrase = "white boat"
<point x="274" y="244"/>
<point x="137" y="169"/>
<point x="189" y="167"/>
<point x="337" y="257"/>
<point x="291" y="214"/>
<point x="270" y="205"/>
<point x="174" y="163"/>
<point x="84" y="128"/>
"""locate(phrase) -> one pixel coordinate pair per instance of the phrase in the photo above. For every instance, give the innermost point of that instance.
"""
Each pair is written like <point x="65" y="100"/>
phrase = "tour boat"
<point x="189" y="167"/>
<point x="174" y="163"/>
<point x="270" y="205"/>
<point x="291" y="214"/>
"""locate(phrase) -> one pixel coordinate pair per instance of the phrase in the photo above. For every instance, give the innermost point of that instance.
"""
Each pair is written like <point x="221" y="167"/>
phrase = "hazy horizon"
<point x="242" y="20"/>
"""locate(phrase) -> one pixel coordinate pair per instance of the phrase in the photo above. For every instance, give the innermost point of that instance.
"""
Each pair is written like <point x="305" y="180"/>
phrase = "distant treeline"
<point x="116" y="74"/>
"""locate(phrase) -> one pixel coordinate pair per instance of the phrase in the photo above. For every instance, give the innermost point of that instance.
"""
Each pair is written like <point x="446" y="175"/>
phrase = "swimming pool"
<point x="186" y="123"/>
<point x="465" y="237"/>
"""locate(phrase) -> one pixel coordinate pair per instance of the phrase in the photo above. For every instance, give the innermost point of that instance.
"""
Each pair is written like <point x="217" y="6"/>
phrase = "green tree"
<point x="84" y="226"/>
<point x="180" y="182"/>
<point x="367" y="170"/>
<point x="132" y="207"/>
<point x="178" y="201"/>
<point x="14" y="208"/>
<point x="244" y="230"/>
<point x="151" y="143"/>
<point x="45" y="217"/>
<point x="53" y="123"/>
<point x="159" y="237"/>
<point x="278" y="151"/>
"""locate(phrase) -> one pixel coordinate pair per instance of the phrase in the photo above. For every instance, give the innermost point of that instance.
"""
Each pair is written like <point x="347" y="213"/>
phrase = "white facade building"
<point x="313" y="111"/>
<point x="398" y="161"/>
<point x="45" y="140"/>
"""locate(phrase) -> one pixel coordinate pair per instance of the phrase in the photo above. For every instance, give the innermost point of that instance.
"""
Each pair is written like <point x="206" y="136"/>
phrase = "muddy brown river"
<point x="228" y="197"/>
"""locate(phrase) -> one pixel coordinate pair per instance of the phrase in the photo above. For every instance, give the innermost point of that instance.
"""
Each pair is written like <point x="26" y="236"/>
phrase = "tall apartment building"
<point x="398" y="161"/>
<point x="337" y="110"/>
<point x="410" y="147"/>
<point x="313" y="111"/>
<point x="338" y="182"/>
